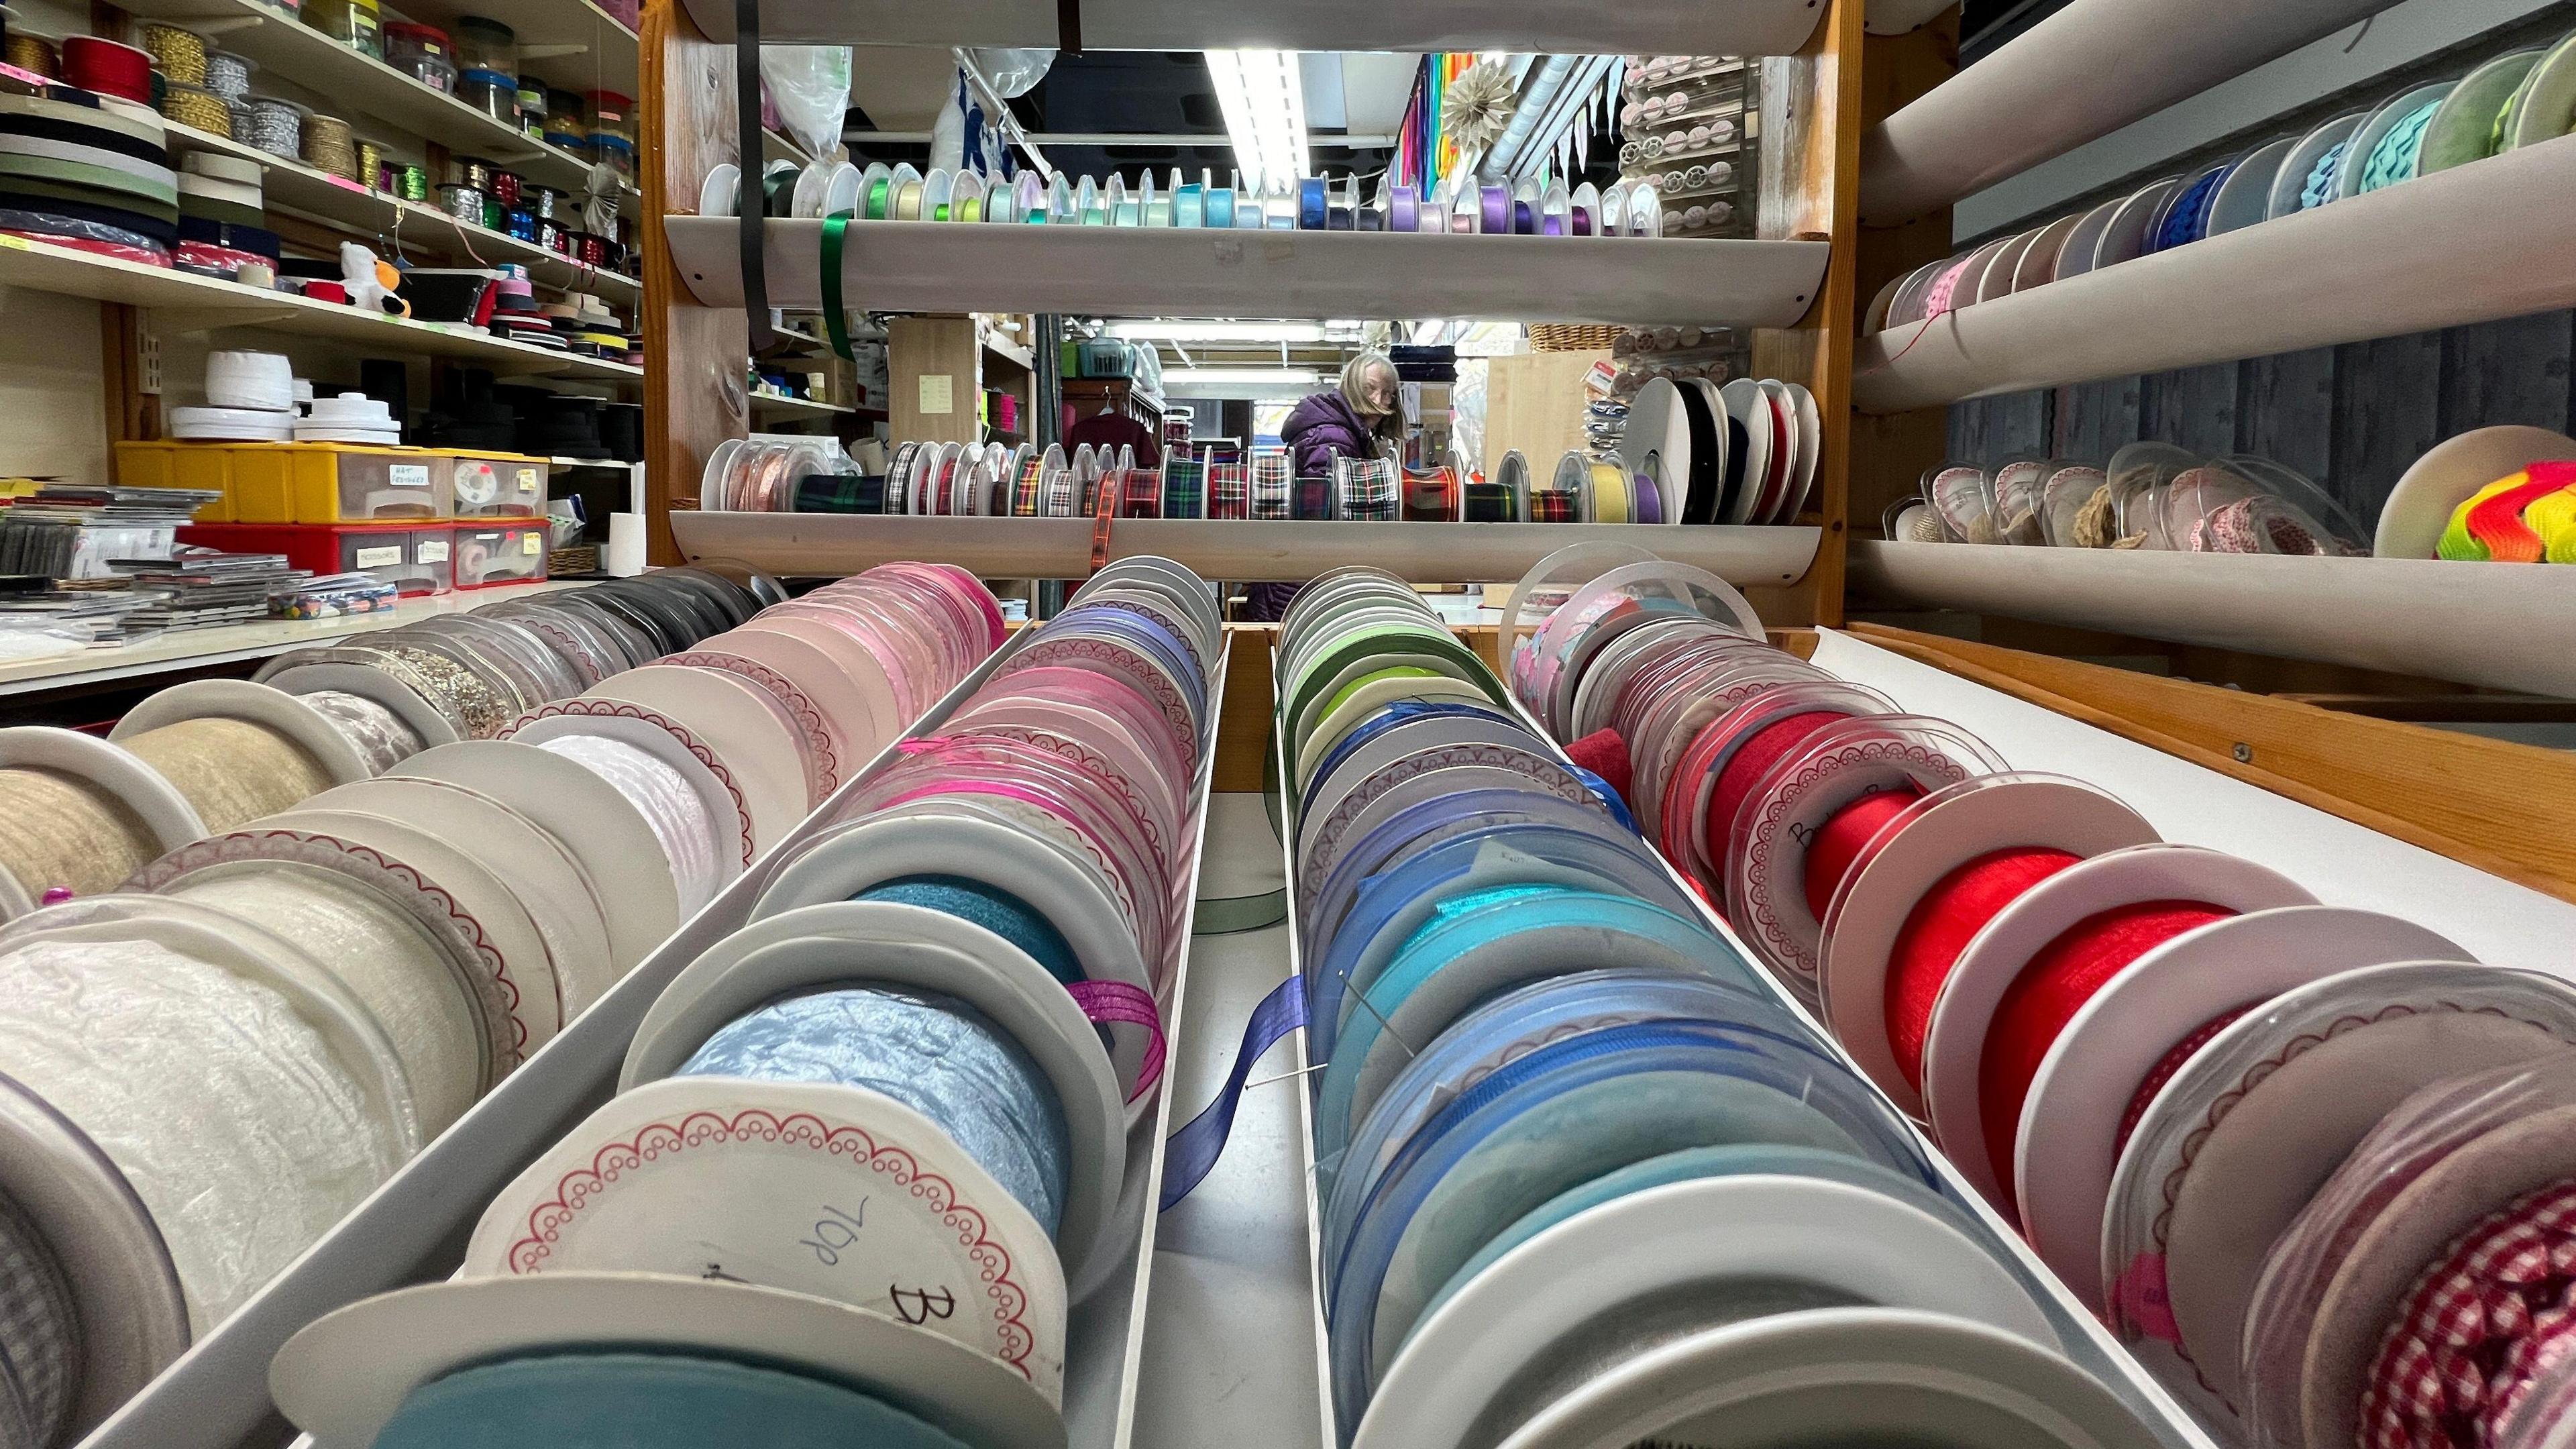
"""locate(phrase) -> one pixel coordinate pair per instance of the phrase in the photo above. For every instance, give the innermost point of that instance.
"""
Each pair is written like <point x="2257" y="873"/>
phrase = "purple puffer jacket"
<point x="1321" y="428"/>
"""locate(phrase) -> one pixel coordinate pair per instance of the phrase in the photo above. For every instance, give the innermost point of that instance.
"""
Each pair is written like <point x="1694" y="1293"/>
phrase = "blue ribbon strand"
<point x="1191" y="1153"/>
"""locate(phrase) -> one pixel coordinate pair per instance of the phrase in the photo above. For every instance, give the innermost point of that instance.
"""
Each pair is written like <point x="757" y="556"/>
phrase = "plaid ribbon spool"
<point x="1056" y="490"/>
<point x="839" y="493"/>
<point x="1551" y="505"/>
<point x="1314" y="501"/>
<point x="1184" y="485"/>
<point x="1366" y="490"/>
<point x="1028" y="489"/>
<point x="1489" y="503"/>
<point x="1229" y="490"/>
<point x="1431" y="497"/>
<point x="1274" y="485"/>
<point x="2479" y="1328"/>
<point x="1142" y="494"/>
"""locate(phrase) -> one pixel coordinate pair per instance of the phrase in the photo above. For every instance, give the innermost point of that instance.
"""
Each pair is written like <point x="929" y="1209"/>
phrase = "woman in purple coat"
<point x="1351" y="421"/>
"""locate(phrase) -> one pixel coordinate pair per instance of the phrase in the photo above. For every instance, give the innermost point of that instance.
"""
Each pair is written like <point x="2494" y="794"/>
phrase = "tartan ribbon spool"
<point x="1273" y="485"/>
<point x="1028" y="485"/>
<point x="1432" y="497"/>
<point x="2478" y="1329"/>
<point x="1366" y="489"/>
<point x="1229" y="491"/>
<point x="1184" y="492"/>
<point x="1552" y="505"/>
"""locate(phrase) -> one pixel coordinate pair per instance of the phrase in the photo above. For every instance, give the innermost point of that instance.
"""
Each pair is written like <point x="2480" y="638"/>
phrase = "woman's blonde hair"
<point x="1388" y="420"/>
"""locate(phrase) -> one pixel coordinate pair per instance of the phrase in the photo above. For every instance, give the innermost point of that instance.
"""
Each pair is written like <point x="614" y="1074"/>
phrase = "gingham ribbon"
<point x="2486" y="1320"/>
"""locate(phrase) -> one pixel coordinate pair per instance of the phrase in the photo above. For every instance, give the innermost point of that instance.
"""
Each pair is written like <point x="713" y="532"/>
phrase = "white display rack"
<point x="367" y="87"/>
<point x="2428" y="617"/>
<point x="2473" y="244"/>
<point x="413" y="1228"/>
<point x="192" y="303"/>
<point x="1701" y="27"/>
<point x="294" y="187"/>
<point x="1055" y="548"/>
<point x="2082" y="73"/>
<point x="922" y="266"/>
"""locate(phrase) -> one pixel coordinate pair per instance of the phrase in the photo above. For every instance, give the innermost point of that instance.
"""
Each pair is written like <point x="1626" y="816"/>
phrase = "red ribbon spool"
<point x="1839" y="847"/>
<point x="1940" y="927"/>
<point x="1753" y="760"/>
<point x="2045" y="997"/>
<point x="108" y="68"/>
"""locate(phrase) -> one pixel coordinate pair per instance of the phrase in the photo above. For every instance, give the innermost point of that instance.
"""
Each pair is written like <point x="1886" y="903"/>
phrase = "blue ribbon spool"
<point x="994" y="909"/>
<point x="1493" y="941"/>
<point x="1513" y="1025"/>
<point x="1564" y="1115"/>
<point x="605" y="1399"/>
<point x="1310" y="204"/>
<point x="1417" y="828"/>
<point x="931" y="1052"/>
<point x="1388" y="904"/>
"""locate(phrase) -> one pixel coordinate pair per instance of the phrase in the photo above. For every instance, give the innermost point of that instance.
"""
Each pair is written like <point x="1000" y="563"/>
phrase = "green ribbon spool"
<point x="836" y="317"/>
<point x="878" y="197"/>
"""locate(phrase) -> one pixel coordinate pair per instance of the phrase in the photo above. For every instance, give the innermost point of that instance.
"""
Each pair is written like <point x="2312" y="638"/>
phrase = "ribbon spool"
<point x="2037" y="960"/>
<point x="909" y="948"/>
<point x="1794" y="817"/>
<point x="679" y="785"/>
<point x="79" y="814"/>
<point x="246" y="1101"/>
<point x="2220" y="1184"/>
<point x="1930" y="881"/>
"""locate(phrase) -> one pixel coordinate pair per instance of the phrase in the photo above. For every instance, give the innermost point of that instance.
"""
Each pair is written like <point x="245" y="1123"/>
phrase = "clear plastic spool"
<point x="1768" y="840"/>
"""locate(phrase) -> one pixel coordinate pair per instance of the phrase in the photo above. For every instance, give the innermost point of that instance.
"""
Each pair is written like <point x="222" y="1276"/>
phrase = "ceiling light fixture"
<point x="1263" y="96"/>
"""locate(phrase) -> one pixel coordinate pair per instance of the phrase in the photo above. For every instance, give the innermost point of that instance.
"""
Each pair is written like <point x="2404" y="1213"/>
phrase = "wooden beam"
<point x="696" y="357"/>
<point x="2479" y="801"/>
<point x="1811" y="188"/>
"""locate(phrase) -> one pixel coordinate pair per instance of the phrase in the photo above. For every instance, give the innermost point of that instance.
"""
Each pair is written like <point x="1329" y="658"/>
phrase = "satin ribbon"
<point x="878" y="195"/>
<point x="907" y="202"/>
<point x="1496" y="210"/>
<point x="1403" y="210"/>
<point x="836" y="315"/>
<point x="1189" y="207"/>
<point x="971" y="209"/>
<point x="1524" y="219"/>
<point x="1610" y="498"/>
<point x="1220" y="208"/>
<point x="1339" y="218"/>
<point x="1311" y="211"/>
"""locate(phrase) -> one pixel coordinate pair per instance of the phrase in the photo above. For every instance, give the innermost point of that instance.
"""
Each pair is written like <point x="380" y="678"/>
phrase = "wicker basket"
<point x="1572" y="336"/>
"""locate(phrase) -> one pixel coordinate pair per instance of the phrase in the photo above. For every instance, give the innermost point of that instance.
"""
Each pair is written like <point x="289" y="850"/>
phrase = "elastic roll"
<point x="929" y="1051"/>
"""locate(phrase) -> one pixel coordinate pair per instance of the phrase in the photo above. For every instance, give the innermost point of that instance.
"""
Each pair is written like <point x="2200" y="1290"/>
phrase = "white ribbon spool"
<point x="679" y="817"/>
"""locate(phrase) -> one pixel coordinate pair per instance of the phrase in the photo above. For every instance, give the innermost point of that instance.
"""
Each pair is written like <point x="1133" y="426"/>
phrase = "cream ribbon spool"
<point x="678" y="817"/>
<point x="245" y="1136"/>
<point x="385" y="960"/>
<point x="57" y="829"/>
<point x="231" y="770"/>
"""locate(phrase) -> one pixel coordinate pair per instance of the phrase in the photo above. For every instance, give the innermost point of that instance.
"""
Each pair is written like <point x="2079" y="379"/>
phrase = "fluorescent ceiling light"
<point x="1247" y="376"/>
<point x="1264" y="100"/>
<point x="1221" y="331"/>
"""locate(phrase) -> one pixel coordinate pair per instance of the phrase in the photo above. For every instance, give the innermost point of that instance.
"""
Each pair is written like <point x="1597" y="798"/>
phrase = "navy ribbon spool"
<point x="933" y="1053"/>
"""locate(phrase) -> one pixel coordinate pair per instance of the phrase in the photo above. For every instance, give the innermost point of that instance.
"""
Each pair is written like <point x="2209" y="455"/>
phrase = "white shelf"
<point x="1694" y="27"/>
<point x="2480" y="242"/>
<point x="795" y="407"/>
<point x="287" y="48"/>
<point x="182" y="649"/>
<point x="1060" y="548"/>
<point x="2427" y="617"/>
<point x="192" y="304"/>
<point x="2079" y="75"/>
<point x="922" y="266"/>
<point x="296" y="187"/>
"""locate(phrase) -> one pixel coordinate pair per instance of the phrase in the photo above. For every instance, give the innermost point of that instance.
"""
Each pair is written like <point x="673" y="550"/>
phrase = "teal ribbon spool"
<point x="2393" y="159"/>
<point x="605" y="1399"/>
<point x="2320" y="188"/>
